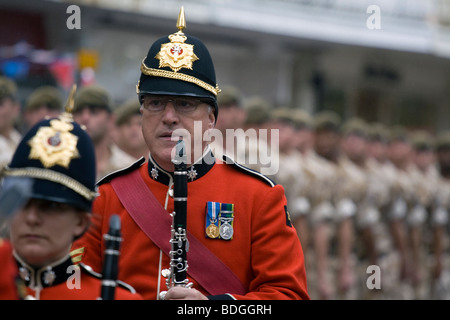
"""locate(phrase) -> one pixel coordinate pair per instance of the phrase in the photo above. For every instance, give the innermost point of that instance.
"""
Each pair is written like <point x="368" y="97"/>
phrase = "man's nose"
<point x="82" y="117"/>
<point x="170" y="115"/>
<point x="32" y="215"/>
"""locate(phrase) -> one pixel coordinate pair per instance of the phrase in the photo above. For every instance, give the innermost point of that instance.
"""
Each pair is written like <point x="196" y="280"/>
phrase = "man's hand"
<point x="180" y="293"/>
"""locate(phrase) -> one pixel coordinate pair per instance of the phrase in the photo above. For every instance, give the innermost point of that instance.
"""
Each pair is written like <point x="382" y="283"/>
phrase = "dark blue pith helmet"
<point x="58" y="155"/>
<point x="179" y="65"/>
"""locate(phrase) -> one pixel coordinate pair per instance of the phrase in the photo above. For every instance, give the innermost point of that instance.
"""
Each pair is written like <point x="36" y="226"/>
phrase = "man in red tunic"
<point x="238" y="215"/>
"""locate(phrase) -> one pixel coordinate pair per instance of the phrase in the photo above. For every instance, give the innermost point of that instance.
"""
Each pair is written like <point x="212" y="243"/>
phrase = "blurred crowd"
<point x="369" y="202"/>
<point x="359" y="194"/>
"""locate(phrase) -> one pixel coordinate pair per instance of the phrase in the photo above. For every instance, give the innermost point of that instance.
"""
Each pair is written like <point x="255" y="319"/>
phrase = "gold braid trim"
<point x="179" y="76"/>
<point x="52" y="176"/>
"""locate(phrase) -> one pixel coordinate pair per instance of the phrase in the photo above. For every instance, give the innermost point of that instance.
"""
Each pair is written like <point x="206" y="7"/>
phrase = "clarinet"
<point x="110" y="265"/>
<point x="177" y="274"/>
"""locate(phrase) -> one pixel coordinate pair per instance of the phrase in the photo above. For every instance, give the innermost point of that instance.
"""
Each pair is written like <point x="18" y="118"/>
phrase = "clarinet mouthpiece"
<point x="114" y="222"/>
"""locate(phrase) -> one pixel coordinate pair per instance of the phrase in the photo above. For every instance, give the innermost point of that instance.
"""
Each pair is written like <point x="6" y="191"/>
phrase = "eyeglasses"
<point x="182" y="105"/>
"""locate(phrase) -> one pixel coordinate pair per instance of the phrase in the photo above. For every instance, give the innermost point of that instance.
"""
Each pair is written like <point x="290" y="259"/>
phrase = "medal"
<point x="226" y="219"/>
<point x="212" y="227"/>
<point x="226" y="231"/>
<point x="212" y="231"/>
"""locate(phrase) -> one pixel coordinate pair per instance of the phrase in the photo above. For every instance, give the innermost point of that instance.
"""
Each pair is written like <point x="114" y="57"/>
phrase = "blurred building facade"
<point x="382" y="60"/>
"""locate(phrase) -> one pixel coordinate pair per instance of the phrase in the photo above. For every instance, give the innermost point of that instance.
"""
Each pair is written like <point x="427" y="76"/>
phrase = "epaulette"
<point x="121" y="172"/>
<point x="248" y="171"/>
<point x="97" y="275"/>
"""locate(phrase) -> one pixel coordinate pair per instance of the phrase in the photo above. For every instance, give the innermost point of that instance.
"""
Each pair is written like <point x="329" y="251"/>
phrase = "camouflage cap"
<point x="46" y="95"/>
<point x="422" y="140"/>
<point x="443" y="140"/>
<point x="229" y="95"/>
<point x="378" y="132"/>
<point x="355" y="126"/>
<point x="399" y="133"/>
<point x="258" y="111"/>
<point x="302" y="119"/>
<point x="93" y="96"/>
<point x="327" y="121"/>
<point x="8" y="88"/>
<point x="126" y="110"/>
<point x="282" y="114"/>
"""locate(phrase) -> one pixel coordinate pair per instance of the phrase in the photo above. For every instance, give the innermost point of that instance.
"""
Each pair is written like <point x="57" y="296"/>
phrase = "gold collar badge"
<point x="176" y="54"/>
<point x="55" y="145"/>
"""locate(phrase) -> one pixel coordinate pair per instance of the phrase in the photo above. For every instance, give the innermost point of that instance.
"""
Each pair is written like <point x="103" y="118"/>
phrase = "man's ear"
<point x="84" y="221"/>
<point x="212" y="118"/>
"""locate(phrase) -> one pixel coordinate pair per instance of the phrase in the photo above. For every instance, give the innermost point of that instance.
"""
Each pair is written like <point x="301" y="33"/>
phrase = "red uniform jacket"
<point x="65" y="281"/>
<point x="8" y="273"/>
<point x="264" y="252"/>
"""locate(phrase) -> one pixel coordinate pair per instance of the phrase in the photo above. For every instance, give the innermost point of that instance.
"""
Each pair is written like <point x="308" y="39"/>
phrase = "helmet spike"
<point x="70" y="100"/>
<point x="181" y="22"/>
